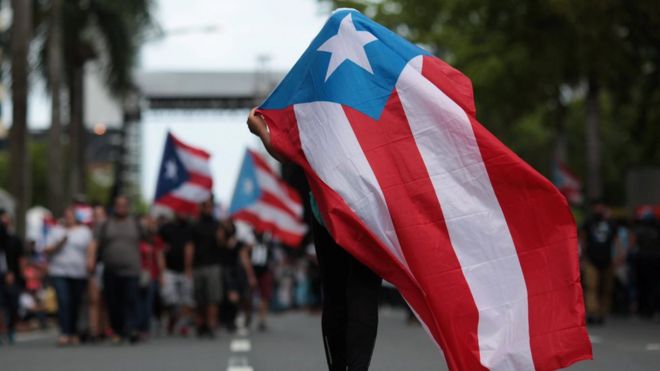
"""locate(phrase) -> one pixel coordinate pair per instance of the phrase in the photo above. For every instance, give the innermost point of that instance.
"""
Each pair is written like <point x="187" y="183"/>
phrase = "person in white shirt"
<point x="67" y="267"/>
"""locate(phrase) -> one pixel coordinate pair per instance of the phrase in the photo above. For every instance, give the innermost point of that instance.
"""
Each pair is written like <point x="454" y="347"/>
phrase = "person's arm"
<point x="53" y="248"/>
<point x="188" y="256"/>
<point x="91" y="255"/>
<point x="258" y="127"/>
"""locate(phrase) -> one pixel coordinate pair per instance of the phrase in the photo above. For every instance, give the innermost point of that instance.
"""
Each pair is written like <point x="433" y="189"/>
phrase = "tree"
<point x="110" y="32"/>
<point x="18" y="153"/>
<point x="55" y="70"/>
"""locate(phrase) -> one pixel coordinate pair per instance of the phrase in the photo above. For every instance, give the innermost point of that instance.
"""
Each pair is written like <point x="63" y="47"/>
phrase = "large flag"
<point x="184" y="178"/>
<point x="264" y="201"/>
<point x="482" y="246"/>
<point x="568" y="183"/>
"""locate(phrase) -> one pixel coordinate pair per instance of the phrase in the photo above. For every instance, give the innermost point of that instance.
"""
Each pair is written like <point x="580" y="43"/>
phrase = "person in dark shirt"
<point x="598" y="238"/>
<point x="260" y="258"/>
<point x="207" y="272"/>
<point x="646" y="237"/>
<point x="117" y="245"/>
<point x="177" y="285"/>
<point x="237" y="273"/>
<point x="12" y="263"/>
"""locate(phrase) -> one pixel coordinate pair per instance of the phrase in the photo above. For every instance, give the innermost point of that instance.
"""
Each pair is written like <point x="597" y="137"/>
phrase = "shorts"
<point x="177" y="289"/>
<point x="265" y="283"/>
<point x="208" y="285"/>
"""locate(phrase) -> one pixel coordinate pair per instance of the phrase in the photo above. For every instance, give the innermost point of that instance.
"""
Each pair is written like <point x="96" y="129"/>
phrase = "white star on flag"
<point x="170" y="170"/>
<point x="248" y="187"/>
<point x="347" y="44"/>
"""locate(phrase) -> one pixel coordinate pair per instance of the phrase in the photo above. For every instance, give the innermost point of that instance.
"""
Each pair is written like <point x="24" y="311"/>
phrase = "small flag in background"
<point x="264" y="201"/>
<point x="482" y="246"/>
<point x="184" y="178"/>
<point x="568" y="183"/>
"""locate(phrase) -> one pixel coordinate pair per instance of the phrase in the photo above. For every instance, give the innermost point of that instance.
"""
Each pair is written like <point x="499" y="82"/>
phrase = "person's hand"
<point x="233" y="297"/>
<point x="90" y="267"/>
<point x="189" y="273"/>
<point x="258" y="127"/>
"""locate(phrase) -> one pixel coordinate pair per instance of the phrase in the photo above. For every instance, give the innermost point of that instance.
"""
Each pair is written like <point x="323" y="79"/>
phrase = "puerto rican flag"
<point x="184" y="178"/>
<point x="568" y="183"/>
<point x="481" y="245"/>
<point x="263" y="200"/>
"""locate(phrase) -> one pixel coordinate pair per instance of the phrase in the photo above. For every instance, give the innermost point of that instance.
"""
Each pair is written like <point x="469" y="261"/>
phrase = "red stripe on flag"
<point x="204" y="181"/>
<point x="261" y="162"/>
<point x="344" y="225"/>
<point x="391" y="150"/>
<point x="259" y="225"/>
<point x="192" y="150"/>
<point x="548" y="256"/>
<point x="272" y="200"/>
<point x="178" y="204"/>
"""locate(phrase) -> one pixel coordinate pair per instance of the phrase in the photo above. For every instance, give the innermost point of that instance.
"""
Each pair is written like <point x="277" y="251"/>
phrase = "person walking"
<point x="67" y="249"/>
<point x="117" y="243"/>
<point x="260" y="258"/>
<point x="12" y="264"/>
<point x="598" y="238"/>
<point x="152" y="264"/>
<point x="207" y="272"/>
<point x="177" y="285"/>
<point x="349" y="318"/>
<point x="647" y="242"/>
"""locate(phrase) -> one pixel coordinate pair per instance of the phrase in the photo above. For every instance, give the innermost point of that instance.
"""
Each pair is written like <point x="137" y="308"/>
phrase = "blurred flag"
<point x="482" y="246"/>
<point x="264" y="201"/>
<point x="184" y="178"/>
<point x="568" y="183"/>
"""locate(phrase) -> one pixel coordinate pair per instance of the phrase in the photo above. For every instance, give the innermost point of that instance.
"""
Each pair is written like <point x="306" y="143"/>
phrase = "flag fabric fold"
<point x="481" y="246"/>
<point x="263" y="200"/>
<point x="184" y="177"/>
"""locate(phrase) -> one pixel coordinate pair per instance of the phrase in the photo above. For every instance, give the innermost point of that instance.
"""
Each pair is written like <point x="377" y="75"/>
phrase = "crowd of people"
<point x="620" y="264"/>
<point x="121" y="277"/>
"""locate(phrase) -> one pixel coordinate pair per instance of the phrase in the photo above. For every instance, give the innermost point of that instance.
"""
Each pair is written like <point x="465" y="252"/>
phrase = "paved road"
<point x="293" y="343"/>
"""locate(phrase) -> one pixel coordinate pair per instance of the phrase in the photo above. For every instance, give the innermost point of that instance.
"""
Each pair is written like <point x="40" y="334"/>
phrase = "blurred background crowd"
<point x="119" y="276"/>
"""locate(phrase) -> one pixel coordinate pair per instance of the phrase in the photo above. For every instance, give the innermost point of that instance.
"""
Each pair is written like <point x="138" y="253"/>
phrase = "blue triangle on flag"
<point x="172" y="173"/>
<point x="247" y="190"/>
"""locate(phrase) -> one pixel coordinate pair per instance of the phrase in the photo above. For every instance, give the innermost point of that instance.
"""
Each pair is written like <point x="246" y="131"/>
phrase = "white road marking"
<point x="653" y="347"/>
<point x="239" y="364"/>
<point x="240" y="345"/>
<point x="595" y="339"/>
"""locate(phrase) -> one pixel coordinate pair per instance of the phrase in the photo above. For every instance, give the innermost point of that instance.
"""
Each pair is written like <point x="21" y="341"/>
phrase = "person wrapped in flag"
<point x="410" y="184"/>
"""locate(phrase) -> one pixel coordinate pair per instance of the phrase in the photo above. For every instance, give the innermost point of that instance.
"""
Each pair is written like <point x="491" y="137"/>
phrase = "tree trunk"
<point x="55" y="166"/>
<point x="594" y="180"/>
<point x="18" y="151"/>
<point x="76" y="95"/>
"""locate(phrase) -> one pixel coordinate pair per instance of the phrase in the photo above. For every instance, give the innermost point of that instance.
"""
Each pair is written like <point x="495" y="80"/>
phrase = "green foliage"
<point x="530" y="61"/>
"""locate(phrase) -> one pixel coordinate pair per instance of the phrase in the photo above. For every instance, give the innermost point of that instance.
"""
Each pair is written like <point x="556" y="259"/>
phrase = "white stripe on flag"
<point x="478" y="231"/>
<point x="323" y="128"/>
<point x="191" y="192"/>
<point x="270" y="184"/>
<point x="279" y="217"/>
<point x="193" y="163"/>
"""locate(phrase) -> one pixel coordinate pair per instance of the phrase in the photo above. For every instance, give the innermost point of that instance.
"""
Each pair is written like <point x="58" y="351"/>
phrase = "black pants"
<point x="121" y="297"/>
<point x="350" y="305"/>
<point x="69" y="293"/>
